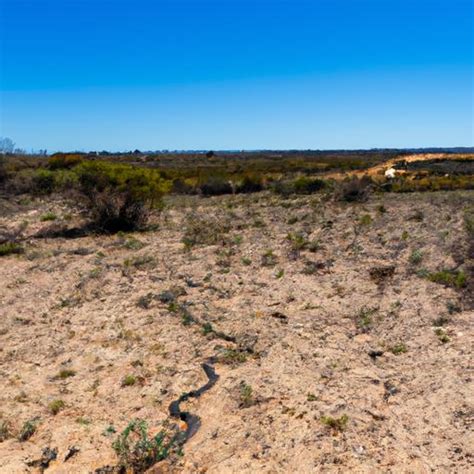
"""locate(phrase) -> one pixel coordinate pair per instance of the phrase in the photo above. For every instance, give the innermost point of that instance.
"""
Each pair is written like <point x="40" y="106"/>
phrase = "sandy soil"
<point x="305" y="321"/>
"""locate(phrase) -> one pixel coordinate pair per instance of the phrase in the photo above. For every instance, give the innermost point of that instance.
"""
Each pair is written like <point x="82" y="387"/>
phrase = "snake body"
<point x="193" y="422"/>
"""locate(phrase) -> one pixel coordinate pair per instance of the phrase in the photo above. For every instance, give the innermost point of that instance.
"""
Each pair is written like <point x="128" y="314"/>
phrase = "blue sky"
<point x="236" y="74"/>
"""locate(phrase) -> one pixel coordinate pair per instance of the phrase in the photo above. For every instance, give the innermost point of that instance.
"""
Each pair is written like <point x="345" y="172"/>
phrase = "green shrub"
<point x="3" y="170"/>
<point x="28" y="429"/>
<point x="65" y="374"/>
<point x="215" y="186"/>
<point x="9" y="248"/>
<point x="416" y="257"/>
<point x="48" y="216"/>
<point x="119" y="196"/>
<point x="43" y="181"/>
<point x="200" y="230"/>
<point x="246" y="395"/>
<point x="5" y="430"/>
<point x="250" y="184"/>
<point x="305" y="185"/>
<point x="56" y="406"/>
<point x="137" y="451"/>
<point x="129" y="381"/>
<point x="399" y="348"/>
<point x="64" y="161"/>
<point x="456" y="279"/>
<point x="365" y="220"/>
<point x="301" y="185"/>
<point x="336" y="424"/>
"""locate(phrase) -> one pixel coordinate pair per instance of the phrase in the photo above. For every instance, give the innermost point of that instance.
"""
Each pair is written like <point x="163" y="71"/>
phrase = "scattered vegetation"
<point x="336" y="424"/>
<point x="455" y="279"/>
<point x="119" y="196"/>
<point x="48" y="216"/>
<point x="56" y="406"/>
<point x="442" y="336"/>
<point x="354" y="189"/>
<point x="399" y="348"/>
<point x="65" y="374"/>
<point x="269" y="259"/>
<point x="5" y="430"/>
<point x="201" y="230"/>
<point x="416" y="257"/>
<point x="365" y="318"/>
<point x="246" y="395"/>
<point x="28" y="429"/>
<point x="10" y="248"/>
<point x="233" y="357"/>
<point x="129" y="381"/>
<point x="137" y="450"/>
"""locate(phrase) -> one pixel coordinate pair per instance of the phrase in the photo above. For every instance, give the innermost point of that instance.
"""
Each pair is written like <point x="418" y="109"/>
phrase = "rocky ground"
<point x="343" y="355"/>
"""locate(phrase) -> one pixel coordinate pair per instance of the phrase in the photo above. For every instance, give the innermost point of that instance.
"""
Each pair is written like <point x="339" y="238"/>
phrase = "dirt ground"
<point x="347" y="358"/>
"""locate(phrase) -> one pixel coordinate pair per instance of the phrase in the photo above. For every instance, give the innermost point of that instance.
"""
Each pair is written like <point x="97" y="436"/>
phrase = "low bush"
<point x="3" y="170"/>
<point x="249" y="184"/>
<point x="355" y="189"/>
<point x="200" y="230"/>
<point x="64" y="161"/>
<point x="119" y="196"/>
<point x="9" y="248"/>
<point x="215" y="186"/>
<point x="138" y="451"/>
<point x="302" y="185"/>
<point x="456" y="279"/>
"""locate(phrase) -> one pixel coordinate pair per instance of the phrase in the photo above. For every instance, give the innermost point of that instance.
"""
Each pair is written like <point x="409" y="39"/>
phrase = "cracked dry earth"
<point x="337" y="321"/>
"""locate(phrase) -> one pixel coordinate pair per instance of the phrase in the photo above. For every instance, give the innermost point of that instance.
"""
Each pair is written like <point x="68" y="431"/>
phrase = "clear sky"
<point x="236" y="74"/>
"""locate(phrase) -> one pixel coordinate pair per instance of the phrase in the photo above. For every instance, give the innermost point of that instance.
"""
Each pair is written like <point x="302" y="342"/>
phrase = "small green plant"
<point x="207" y="329"/>
<point x="83" y="421"/>
<point x="65" y="374"/>
<point x="28" y="429"/>
<point x="133" y="244"/>
<point x="365" y="318"/>
<point x="416" y="257"/>
<point x="129" y="380"/>
<point x="336" y="424"/>
<point x="297" y="240"/>
<point x="405" y="235"/>
<point x="137" y="450"/>
<point x="48" y="216"/>
<point x="110" y="430"/>
<point x="95" y="272"/>
<point x="246" y="261"/>
<point x="442" y="336"/>
<point x="453" y="307"/>
<point x="269" y="259"/>
<point x="279" y="274"/>
<point x="140" y="262"/>
<point x="365" y="220"/>
<point x="56" y="406"/>
<point x="10" y="248"/>
<point x="246" y="395"/>
<point x="311" y="397"/>
<point x="5" y="430"/>
<point x="233" y="357"/>
<point x="399" y="348"/>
